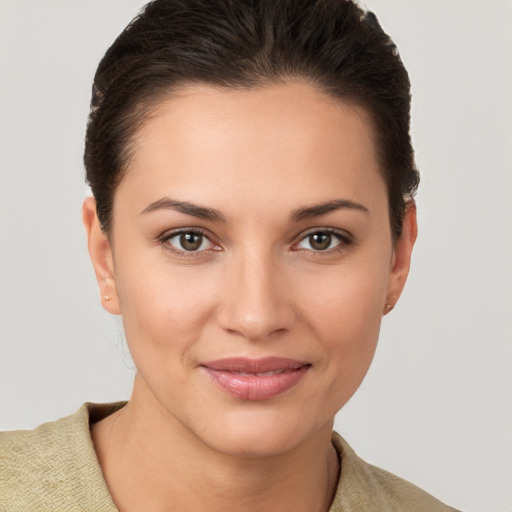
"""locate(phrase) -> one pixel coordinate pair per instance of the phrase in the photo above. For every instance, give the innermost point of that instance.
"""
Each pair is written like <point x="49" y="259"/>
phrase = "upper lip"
<point x="248" y="365"/>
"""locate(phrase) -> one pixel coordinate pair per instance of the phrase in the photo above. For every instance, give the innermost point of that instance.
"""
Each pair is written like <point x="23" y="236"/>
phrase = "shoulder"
<point x="366" y="487"/>
<point x="52" y="464"/>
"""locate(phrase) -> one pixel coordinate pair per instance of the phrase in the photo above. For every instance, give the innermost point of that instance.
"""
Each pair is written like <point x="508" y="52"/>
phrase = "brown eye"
<point x="320" y="241"/>
<point x="189" y="241"/>
<point x="326" y="241"/>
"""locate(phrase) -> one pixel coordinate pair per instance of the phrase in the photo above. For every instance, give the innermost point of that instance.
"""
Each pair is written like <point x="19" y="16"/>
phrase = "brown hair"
<point x="333" y="44"/>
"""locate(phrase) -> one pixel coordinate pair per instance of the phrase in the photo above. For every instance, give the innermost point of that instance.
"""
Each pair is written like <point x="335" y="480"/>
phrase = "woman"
<point x="252" y="222"/>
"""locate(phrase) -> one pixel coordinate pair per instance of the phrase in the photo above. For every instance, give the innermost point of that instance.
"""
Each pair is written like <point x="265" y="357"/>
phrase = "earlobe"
<point x="402" y="257"/>
<point x="101" y="257"/>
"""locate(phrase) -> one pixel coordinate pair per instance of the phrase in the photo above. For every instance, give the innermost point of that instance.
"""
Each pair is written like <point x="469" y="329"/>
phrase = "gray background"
<point x="436" y="407"/>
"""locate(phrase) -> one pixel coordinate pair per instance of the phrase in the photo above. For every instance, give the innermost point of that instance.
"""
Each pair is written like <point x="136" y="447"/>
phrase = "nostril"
<point x="253" y="328"/>
<point x="254" y="303"/>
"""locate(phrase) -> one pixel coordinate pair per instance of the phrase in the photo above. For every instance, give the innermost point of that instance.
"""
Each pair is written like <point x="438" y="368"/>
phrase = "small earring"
<point x="389" y="307"/>
<point x="106" y="298"/>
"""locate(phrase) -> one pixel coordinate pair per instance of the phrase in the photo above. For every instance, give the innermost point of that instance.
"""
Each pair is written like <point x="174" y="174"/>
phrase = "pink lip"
<point x="241" y="377"/>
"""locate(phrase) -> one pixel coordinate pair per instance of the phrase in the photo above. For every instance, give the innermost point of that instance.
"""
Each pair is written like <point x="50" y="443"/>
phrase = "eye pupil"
<point x="191" y="241"/>
<point x="320" y="241"/>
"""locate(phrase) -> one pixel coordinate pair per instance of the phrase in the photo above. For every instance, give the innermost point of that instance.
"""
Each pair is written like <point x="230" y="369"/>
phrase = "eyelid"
<point x="344" y="237"/>
<point x="167" y="235"/>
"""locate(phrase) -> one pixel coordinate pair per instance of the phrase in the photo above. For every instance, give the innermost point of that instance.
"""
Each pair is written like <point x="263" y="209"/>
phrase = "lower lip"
<point x="255" y="387"/>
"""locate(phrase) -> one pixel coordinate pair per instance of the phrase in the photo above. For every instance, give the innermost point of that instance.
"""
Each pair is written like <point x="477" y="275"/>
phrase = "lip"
<point x="255" y="379"/>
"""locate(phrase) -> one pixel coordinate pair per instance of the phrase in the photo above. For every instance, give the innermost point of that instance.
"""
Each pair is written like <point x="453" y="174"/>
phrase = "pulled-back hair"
<point x="331" y="44"/>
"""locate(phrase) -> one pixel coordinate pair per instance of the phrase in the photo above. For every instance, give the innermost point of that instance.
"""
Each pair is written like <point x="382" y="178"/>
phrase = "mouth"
<point x="255" y="379"/>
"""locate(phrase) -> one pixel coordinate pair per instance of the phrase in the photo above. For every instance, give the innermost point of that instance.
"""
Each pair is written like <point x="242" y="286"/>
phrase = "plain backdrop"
<point x="436" y="407"/>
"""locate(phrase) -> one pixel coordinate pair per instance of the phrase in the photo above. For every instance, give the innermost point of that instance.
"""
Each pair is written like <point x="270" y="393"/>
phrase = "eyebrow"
<point x="166" y="203"/>
<point x="201" y="212"/>
<point x="321" y="209"/>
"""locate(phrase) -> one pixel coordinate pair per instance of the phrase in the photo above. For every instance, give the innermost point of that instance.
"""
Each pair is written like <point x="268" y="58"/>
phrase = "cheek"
<point x="346" y="303"/>
<point x="345" y="313"/>
<point x="163" y="305"/>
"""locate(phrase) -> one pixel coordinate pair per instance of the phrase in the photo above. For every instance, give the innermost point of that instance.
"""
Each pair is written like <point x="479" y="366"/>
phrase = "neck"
<point x="152" y="462"/>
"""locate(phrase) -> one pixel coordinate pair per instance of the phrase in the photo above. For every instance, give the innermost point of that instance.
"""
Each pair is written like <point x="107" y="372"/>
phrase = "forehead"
<point x="285" y="142"/>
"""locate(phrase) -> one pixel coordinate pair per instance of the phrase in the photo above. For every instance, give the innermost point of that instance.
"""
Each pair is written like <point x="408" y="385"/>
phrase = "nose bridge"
<point x="255" y="304"/>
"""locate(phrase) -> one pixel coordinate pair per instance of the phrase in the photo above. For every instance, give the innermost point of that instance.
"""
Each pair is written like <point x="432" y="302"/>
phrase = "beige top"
<point x="55" y="467"/>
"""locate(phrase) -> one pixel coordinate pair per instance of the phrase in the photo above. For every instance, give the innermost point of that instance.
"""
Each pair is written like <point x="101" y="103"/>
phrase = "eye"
<point x="189" y="241"/>
<point x="323" y="241"/>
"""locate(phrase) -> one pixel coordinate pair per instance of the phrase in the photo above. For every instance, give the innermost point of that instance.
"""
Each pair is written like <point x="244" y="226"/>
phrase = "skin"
<point x="256" y="288"/>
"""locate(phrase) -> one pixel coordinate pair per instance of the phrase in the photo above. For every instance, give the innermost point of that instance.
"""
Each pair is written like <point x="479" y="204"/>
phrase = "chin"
<point x="253" y="444"/>
<point x="261" y="433"/>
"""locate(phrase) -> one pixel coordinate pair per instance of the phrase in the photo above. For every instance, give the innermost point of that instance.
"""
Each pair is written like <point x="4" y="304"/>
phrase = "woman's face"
<point x="251" y="259"/>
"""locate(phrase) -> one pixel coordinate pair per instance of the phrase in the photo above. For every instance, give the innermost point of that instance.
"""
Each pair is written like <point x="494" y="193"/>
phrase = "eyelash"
<point x="344" y="240"/>
<point x="164" y="240"/>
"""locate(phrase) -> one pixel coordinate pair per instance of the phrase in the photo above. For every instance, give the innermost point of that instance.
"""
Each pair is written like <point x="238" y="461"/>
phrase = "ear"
<point x="401" y="260"/>
<point x="101" y="256"/>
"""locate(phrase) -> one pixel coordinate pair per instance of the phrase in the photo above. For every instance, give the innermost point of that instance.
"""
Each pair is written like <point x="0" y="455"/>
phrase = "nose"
<point x="255" y="303"/>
